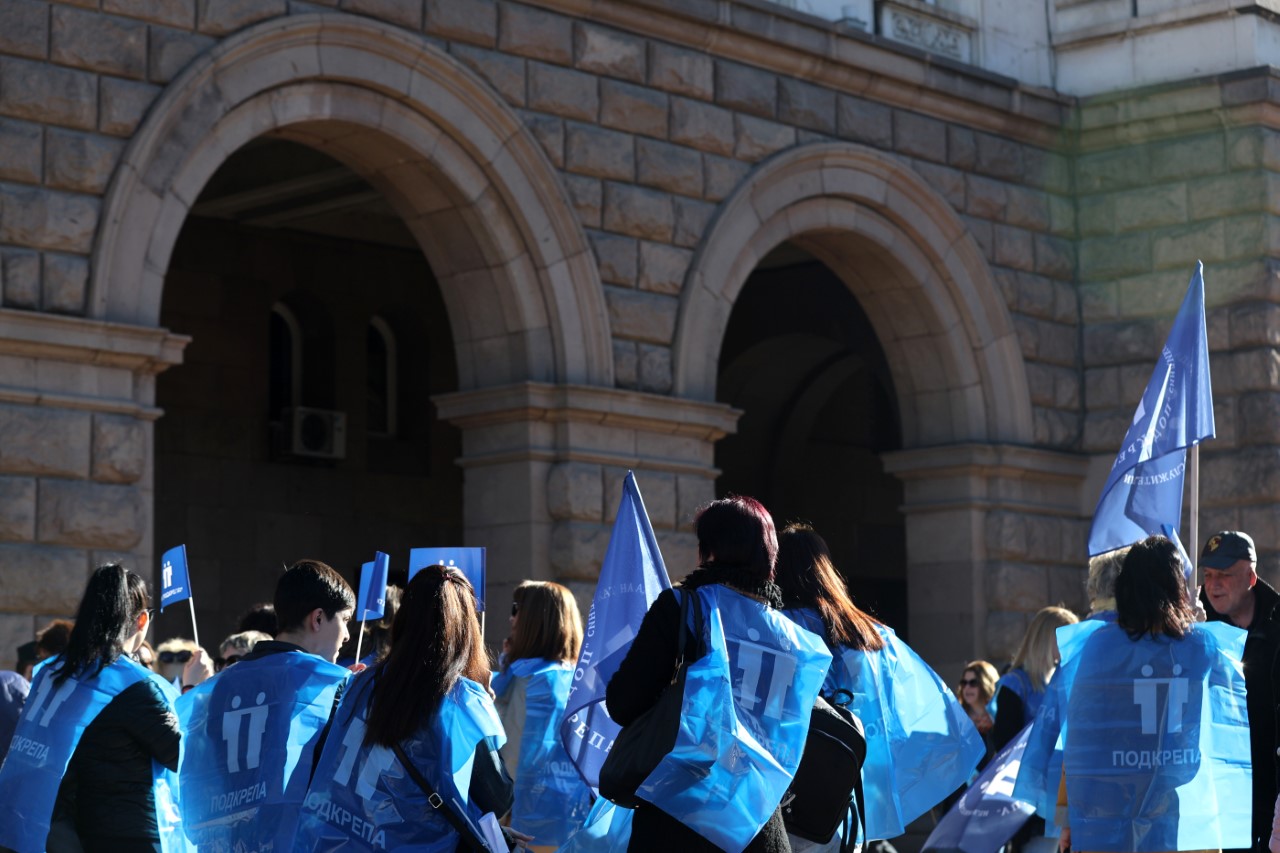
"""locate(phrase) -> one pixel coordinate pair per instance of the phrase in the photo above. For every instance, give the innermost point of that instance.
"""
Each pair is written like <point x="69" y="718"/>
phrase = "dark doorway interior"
<point x="300" y="423"/>
<point x="802" y="361"/>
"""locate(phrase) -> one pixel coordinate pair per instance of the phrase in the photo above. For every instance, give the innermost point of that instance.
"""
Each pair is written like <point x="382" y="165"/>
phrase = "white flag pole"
<point x="360" y="637"/>
<point x="195" y="632"/>
<point x="1193" y="474"/>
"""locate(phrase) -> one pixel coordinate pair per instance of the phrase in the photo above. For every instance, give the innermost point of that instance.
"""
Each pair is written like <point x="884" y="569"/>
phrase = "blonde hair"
<point x="548" y="624"/>
<point x="1103" y="571"/>
<point x="241" y="643"/>
<point x="1037" y="655"/>
<point x="987" y="678"/>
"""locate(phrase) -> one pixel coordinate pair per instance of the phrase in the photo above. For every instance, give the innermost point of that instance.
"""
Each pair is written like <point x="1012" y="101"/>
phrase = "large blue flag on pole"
<point x="631" y="577"/>
<point x="1144" y="489"/>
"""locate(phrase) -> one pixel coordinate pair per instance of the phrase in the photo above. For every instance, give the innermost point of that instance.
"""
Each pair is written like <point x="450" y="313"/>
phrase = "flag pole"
<point x="191" y="599"/>
<point x="360" y="636"/>
<point x="1193" y="474"/>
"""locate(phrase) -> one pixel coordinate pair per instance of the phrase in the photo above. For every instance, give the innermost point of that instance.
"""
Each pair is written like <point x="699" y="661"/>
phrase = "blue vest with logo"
<point x="52" y="722"/>
<point x="921" y="745"/>
<point x="361" y="797"/>
<point x="744" y="720"/>
<point x="551" y="799"/>
<point x="250" y="734"/>
<point x="1157" y="742"/>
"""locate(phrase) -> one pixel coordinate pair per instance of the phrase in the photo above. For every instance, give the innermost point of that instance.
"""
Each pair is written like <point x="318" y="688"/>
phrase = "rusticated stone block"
<point x="20" y="273"/>
<point x="626" y="364"/>
<point x="80" y="162"/>
<point x="985" y="198"/>
<point x="1139" y="210"/>
<point x="36" y="579"/>
<point x="24" y="28"/>
<point x="673" y="168"/>
<point x="919" y="136"/>
<point x="682" y="71"/>
<point x="1179" y="159"/>
<point x="1040" y="383"/>
<point x="1251" y="475"/>
<point x="757" y="138"/>
<point x="1054" y="256"/>
<point x="647" y="317"/>
<point x="535" y="33"/>
<point x="1237" y="192"/>
<point x="722" y="175"/>
<point x="563" y="91"/>
<point x="748" y="89"/>
<point x="66" y="280"/>
<point x="962" y="147"/>
<point x="1097" y="215"/>
<point x="806" y="105"/>
<point x="502" y="72"/>
<point x="948" y="182"/>
<point x="1062" y="216"/>
<point x="679" y="552"/>
<point x="1109" y="257"/>
<point x="575" y="491"/>
<point x="1255" y="324"/>
<point x="1013" y="586"/>
<point x="172" y="51"/>
<point x="1004" y="630"/>
<point x="47" y="93"/>
<point x="41" y="441"/>
<point x="123" y="105"/>
<point x="1027" y="208"/>
<point x="99" y="43"/>
<point x="864" y="121"/>
<point x="408" y="15"/>
<point x="219" y="17"/>
<point x="578" y="549"/>
<point x="655" y="369"/>
<point x="633" y="108"/>
<point x="702" y="126"/>
<point x="21" y="143"/>
<point x="549" y="131"/>
<point x="119" y="449"/>
<point x="691" y="493"/>
<point x="1066" y="585"/>
<point x="475" y="21"/>
<point x="17" y="509"/>
<point x="663" y="267"/>
<point x="1117" y="343"/>
<point x="692" y="218"/>
<point x="1111" y="170"/>
<point x="1259" y="419"/>
<point x="999" y="157"/>
<point x="587" y="197"/>
<point x="90" y="515"/>
<point x="47" y="220"/>
<point x="175" y="13"/>
<point x="615" y="256"/>
<point x="1014" y="248"/>
<point x="600" y="153"/>
<point x="657" y="489"/>
<point x="638" y="212"/>
<point x="609" y="52"/>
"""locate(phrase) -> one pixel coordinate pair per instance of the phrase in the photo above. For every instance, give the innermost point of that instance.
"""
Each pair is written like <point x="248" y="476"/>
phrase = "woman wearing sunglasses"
<point x="976" y="690"/>
<point x="532" y="688"/>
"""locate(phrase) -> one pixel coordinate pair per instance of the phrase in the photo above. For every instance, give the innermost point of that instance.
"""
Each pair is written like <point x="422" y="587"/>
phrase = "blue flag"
<point x="631" y="577"/>
<point x="987" y="815"/>
<point x="372" y="601"/>
<point x="175" y="582"/>
<point x="1144" y="489"/>
<point x="469" y="561"/>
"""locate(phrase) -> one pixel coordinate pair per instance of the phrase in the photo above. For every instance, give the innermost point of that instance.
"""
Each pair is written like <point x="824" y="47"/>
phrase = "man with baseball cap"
<point x="1233" y="593"/>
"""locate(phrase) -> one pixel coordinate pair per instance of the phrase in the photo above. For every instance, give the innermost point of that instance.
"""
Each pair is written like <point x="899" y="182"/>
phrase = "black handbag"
<point x="828" y="782"/>
<point x="640" y="746"/>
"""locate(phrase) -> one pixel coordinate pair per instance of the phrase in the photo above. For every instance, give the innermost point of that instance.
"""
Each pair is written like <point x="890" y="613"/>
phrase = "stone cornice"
<point x="991" y="476"/>
<point x="143" y="350"/>
<point x="787" y="42"/>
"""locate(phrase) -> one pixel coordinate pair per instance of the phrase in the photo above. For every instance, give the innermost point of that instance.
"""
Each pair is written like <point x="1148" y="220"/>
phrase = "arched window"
<point x="285" y="362"/>
<point x="380" y="378"/>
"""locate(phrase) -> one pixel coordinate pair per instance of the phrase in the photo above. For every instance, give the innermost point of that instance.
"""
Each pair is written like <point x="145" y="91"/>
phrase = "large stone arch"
<point x="905" y="254"/>
<point x="487" y="208"/>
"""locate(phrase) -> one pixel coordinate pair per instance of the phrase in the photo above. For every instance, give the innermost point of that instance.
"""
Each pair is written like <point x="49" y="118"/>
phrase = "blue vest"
<point x="1157" y="744"/>
<point x="551" y="799"/>
<point x="249" y="738"/>
<point x="743" y="723"/>
<point x="921" y="745"/>
<point x="52" y="722"/>
<point x="1019" y="682"/>
<point x="606" y="829"/>
<point x="361" y="797"/>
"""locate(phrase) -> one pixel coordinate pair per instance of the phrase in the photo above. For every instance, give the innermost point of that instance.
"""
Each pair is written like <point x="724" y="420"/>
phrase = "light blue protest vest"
<point x="52" y="722"/>
<point x="744" y="720"/>
<point x="1019" y="682"/>
<point x="250" y="734"/>
<point x="921" y="745"/>
<point x="361" y="797"/>
<point x="551" y="799"/>
<point x="606" y="829"/>
<point x="1157" y="744"/>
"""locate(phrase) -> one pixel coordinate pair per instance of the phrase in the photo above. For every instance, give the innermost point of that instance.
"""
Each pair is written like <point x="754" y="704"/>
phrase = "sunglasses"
<point x="175" y="657"/>
<point x="222" y="663"/>
<point x="969" y="682"/>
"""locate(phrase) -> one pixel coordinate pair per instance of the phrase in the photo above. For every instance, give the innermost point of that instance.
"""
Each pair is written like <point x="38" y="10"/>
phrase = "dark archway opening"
<point x="300" y="424"/>
<point x="802" y="360"/>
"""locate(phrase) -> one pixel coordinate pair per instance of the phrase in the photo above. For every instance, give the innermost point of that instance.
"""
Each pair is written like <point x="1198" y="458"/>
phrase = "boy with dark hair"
<point x="250" y="734"/>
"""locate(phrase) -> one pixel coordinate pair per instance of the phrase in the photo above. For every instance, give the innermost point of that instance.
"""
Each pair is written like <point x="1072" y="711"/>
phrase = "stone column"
<point x="76" y="415"/>
<point x="543" y="471"/>
<point x="994" y="533"/>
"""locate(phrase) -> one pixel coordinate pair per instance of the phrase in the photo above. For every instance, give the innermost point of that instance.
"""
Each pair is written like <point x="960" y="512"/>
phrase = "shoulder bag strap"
<point x="463" y="827"/>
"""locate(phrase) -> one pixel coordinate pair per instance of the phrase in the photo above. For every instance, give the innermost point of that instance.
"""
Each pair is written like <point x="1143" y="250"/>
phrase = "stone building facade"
<point x="559" y="208"/>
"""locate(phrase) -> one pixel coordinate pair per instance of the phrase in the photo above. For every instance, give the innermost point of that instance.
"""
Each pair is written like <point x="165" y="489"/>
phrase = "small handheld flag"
<point x="371" y="603"/>
<point x="986" y="816"/>
<point x="469" y="561"/>
<point x="175" y="583"/>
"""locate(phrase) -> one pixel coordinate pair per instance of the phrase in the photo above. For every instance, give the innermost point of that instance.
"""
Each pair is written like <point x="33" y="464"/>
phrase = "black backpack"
<point x="829" y="778"/>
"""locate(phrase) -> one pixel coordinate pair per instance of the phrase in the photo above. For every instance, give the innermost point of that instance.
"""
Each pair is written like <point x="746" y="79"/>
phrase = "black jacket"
<point x="107" y="791"/>
<point x="636" y="687"/>
<point x="1262" y="678"/>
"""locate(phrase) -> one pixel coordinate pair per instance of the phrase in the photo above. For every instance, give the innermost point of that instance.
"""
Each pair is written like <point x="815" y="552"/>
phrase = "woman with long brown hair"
<point x="532" y="688"/>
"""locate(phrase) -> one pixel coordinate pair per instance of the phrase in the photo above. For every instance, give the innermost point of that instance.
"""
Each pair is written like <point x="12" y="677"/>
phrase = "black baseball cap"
<point x="1224" y="549"/>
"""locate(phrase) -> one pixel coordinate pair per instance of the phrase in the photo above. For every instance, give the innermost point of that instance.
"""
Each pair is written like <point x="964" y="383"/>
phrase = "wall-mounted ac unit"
<point x="317" y="433"/>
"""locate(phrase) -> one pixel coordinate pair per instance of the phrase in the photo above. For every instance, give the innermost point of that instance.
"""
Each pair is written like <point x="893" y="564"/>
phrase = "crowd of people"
<point x="1144" y="719"/>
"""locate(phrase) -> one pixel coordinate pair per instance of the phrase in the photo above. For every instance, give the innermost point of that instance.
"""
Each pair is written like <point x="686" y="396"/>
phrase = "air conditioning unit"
<point x="317" y="433"/>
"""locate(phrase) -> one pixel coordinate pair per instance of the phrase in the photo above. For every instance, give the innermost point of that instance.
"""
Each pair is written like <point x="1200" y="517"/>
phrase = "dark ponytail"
<point x="112" y="602"/>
